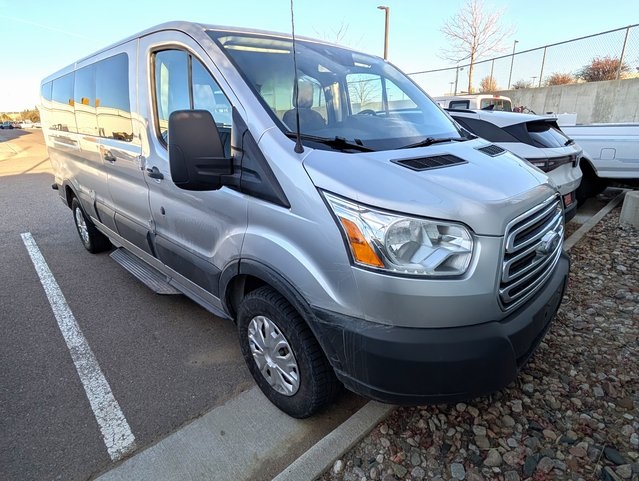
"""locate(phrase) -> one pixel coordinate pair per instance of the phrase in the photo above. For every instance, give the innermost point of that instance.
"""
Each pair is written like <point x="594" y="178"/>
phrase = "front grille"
<point x="433" y="162"/>
<point x="533" y="245"/>
<point x="492" y="150"/>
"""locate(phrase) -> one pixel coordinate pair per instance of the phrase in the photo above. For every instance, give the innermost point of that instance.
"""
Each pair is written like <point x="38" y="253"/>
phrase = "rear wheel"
<point x="590" y="185"/>
<point x="92" y="239"/>
<point x="283" y="356"/>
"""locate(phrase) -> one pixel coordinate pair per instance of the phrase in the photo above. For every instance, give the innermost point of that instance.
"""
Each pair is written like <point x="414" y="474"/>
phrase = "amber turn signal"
<point x="362" y="251"/>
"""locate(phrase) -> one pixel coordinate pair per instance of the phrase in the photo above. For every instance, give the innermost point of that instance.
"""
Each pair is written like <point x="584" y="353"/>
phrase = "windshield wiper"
<point x="338" y="143"/>
<point x="569" y="142"/>
<point x="431" y="140"/>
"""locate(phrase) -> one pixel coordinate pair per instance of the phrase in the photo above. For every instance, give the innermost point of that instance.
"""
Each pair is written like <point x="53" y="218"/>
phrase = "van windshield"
<point x="341" y="94"/>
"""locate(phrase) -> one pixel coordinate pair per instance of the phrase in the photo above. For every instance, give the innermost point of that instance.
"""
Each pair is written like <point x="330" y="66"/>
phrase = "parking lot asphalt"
<point x="166" y="360"/>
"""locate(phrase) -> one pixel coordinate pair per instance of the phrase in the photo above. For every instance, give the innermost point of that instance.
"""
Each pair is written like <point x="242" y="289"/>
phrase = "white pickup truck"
<point x="611" y="153"/>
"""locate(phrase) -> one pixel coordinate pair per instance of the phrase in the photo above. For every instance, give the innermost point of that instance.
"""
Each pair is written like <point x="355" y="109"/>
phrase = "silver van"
<point x="320" y="200"/>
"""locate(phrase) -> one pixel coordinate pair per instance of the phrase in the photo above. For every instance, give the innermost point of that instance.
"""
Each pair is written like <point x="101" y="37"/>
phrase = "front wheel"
<point x="283" y="356"/>
<point x="92" y="239"/>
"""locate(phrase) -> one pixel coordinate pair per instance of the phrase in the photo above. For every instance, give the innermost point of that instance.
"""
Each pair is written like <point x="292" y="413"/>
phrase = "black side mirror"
<point x="196" y="153"/>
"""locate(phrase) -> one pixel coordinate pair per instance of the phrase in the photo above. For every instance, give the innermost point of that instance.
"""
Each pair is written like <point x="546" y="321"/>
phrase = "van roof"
<point x="192" y="29"/>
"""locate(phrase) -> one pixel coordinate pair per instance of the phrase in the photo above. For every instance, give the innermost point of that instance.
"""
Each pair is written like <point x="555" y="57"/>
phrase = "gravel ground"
<point x="572" y="414"/>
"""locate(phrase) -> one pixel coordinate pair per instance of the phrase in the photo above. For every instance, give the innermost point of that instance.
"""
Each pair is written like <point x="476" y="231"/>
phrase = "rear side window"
<point x="112" y="98"/>
<point x="485" y="130"/>
<point x="546" y="134"/>
<point x="62" y="114"/>
<point x="93" y="100"/>
<point x="45" y="104"/>
<point x="498" y="104"/>
<point x="459" y="104"/>
<point x="84" y="100"/>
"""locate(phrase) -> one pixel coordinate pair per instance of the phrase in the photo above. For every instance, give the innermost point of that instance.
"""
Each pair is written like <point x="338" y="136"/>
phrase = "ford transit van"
<point x="318" y="198"/>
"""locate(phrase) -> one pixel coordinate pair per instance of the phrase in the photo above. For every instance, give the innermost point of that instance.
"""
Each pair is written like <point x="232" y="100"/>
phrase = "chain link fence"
<point x="571" y="61"/>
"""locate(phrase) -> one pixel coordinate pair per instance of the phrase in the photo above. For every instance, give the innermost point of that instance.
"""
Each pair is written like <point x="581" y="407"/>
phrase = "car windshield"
<point x="341" y="94"/>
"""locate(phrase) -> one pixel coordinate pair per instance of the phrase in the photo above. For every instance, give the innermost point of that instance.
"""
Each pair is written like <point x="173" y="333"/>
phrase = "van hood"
<point x="484" y="192"/>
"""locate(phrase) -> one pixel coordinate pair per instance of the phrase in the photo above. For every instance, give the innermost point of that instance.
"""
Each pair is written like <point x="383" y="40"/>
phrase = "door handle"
<point x="155" y="173"/>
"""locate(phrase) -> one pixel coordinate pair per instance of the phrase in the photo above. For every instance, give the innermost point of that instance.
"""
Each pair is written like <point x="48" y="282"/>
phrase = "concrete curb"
<point x="321" y="456"/>
<point x="318" y="458"/>
<point x="593" y="221"/>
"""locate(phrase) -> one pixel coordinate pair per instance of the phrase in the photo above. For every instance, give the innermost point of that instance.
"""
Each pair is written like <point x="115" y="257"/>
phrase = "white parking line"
<point x="118" y="438"/>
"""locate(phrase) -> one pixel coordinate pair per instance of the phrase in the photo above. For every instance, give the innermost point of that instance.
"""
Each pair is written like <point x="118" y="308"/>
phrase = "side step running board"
<point x="152" y="278"/>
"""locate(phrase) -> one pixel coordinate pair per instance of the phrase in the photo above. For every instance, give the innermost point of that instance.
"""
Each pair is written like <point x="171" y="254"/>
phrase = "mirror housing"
<point x="196" y="152"/>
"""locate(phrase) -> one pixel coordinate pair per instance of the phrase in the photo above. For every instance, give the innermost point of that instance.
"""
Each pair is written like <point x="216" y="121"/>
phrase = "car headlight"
<point x="402" y="244"/>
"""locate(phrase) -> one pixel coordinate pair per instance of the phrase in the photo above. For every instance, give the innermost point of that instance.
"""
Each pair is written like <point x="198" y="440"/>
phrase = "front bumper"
<point x="431" y="365"/>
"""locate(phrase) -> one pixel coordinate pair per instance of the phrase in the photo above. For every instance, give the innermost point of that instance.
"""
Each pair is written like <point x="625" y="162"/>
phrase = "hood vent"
<point x="492" y="150"/>
<point x="434" y="162"/>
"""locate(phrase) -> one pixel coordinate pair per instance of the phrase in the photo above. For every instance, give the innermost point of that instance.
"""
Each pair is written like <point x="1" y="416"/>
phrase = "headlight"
<point x="402" y="244"/>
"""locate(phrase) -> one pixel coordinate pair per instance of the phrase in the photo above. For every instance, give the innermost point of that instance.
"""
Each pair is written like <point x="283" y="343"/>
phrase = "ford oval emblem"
<point x="549" y="243"/>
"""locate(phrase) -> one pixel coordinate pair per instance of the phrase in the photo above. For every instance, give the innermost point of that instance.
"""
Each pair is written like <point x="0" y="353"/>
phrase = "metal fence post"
<point x="492" y="68"/>
<point x="623" y="51"/>
<point x="543" y="61"/>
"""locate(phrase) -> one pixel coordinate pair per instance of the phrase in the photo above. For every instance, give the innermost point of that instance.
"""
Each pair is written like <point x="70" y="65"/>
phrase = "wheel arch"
<point x="246" y="275"/>
<point x="69" y="193"/>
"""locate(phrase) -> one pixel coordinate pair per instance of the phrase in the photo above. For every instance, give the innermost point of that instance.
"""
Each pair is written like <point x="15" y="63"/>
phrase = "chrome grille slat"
<point x="532" y="247"/>
<point x="512" y="236"/>
<point x="533" y="287"/>
<point x="554" y="223"/>
<point x="539" y="266"/>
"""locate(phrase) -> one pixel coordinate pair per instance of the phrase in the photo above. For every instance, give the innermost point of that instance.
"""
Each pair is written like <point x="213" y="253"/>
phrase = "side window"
<point x="365" y="92"/>
<point x="182" y="83"/>
<point x="84" y="101"/>
<point x="171" y="86"/>
<point x="112" y="98"/>
<point x="207" y="95"/>
<point x="62" y="115"/>
<point x="45" y="104"/>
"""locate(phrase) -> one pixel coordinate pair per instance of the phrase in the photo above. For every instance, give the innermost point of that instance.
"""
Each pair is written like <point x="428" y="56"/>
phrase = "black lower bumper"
<point x="419" y="366"/>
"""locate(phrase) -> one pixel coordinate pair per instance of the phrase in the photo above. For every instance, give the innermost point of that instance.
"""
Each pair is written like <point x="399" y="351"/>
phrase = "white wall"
<point x="607" y="101"/>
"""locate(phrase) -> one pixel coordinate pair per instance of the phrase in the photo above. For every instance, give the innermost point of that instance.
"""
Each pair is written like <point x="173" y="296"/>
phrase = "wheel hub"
<point x="273" y="355"/>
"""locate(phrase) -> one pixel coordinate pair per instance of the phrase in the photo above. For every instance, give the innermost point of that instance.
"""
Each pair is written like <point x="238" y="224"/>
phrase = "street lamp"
<point x="512" y="60"/>
<point x="457" y="77"/>
<point x="386" y="15"/>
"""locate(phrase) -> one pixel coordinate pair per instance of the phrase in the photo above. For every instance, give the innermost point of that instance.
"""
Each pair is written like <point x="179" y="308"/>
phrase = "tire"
<point x="308" y="383"/>
<point x="92" y="239"/>
<point x="590" y="185"/>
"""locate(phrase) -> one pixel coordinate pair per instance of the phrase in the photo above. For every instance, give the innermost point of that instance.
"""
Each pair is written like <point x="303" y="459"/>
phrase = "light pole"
<point x="512" y="60"/>
<point x="457" y="77"/>
<point x="386" y="15"/>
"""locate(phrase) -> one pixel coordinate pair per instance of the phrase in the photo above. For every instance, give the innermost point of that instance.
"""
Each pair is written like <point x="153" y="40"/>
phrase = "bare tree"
<point x="364" y="90"/>
<point x="338" y="34"/>
<point x="474" y="32"/>
<point x="522" y="84"/>
<point x="488" y="84"/>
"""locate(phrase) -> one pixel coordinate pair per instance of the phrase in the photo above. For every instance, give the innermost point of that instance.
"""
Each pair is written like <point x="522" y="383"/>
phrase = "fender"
<point x="233" y="293"/>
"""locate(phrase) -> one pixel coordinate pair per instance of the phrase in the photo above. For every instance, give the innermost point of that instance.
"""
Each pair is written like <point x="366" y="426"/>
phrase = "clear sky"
<point x="40" y="36"/>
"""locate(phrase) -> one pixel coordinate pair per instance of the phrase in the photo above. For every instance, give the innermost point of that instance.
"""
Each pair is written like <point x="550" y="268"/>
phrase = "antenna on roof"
<point x="299" y="148"/>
